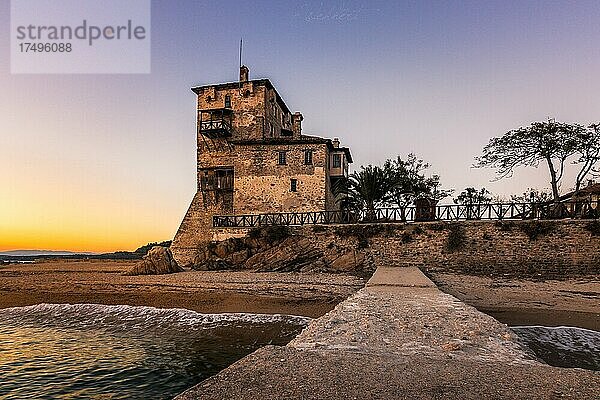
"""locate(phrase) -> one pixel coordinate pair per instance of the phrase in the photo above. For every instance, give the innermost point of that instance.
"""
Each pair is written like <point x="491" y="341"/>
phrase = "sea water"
<point x="87" y="351"/>
<point x="562" y="346"/>
<point x="59" y="351"/>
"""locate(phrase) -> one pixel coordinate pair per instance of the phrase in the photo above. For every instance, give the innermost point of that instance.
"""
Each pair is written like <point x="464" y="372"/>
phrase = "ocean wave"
<point x="563" y="346"/>
<point x="67" y="351"/>
<point x="94" y="316"/>
<point x="564" y="337"/>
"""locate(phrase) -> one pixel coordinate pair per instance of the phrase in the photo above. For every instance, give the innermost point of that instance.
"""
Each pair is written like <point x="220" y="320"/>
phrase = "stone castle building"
<point x="254" y="159"/>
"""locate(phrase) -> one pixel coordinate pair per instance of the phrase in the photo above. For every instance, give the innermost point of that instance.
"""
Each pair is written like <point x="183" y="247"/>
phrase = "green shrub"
<point x="238" y="244"/>
<point x="457" y="237"/>
<point x="367" y="230"/>
<point x="211" y="246"/>
<point x="407" y="237"/>
<point x="144" y="249"/>
<point x="274" y="232"/>
<point x="535" y="229"/>
<point x="418" y="230"/>
<point x="504" y="226"/>
<point x="346" y="231"/>
<point x="593" y="227"/>
<point x="437" y="226"/>
<point x="363" y="243"/>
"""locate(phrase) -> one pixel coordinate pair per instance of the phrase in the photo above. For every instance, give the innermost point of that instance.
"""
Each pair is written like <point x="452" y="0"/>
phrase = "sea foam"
<point x="82" y="316"/>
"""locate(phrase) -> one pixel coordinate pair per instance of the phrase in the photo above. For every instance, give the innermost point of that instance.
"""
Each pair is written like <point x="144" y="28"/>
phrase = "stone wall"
<point x="247" y="99"/>
<point x="527" y="249"/>
<point x="258" y="111"/>
<point x="263" y="186"/>
<point x="534" y="249"/>
<point x="195" y="230"/>
<point x="331" y="202"/>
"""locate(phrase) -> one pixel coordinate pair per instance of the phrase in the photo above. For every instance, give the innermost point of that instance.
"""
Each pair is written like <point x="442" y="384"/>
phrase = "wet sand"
<point x="398" y="338"/>
<point x="102" y="282"/>
<point x="570" y="302"/>
<point x="515" y="302"/>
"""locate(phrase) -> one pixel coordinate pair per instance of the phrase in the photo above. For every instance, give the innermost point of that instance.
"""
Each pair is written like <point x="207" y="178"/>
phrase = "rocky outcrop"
<point x="158" y="261"/>
<point x="292" y="254"/>
<point x="275" y="249"/>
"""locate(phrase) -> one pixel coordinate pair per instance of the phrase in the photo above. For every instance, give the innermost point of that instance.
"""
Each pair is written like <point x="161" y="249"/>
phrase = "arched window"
<point x="227" y="101"/>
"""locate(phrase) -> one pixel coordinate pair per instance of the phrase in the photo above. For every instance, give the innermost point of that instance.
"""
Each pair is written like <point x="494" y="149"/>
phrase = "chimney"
<point x="297" y="124"/>
<point x="336" y="143"/>
<point x="244" y="72"/>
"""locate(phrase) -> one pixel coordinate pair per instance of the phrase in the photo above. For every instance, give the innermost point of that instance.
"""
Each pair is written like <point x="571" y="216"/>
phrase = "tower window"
<point x="308" y="157"/>
<point x="337" y="161"/>
<point x="281" y="159"/>
<point x="293" y="185"/>
<point x="227" y="101"/>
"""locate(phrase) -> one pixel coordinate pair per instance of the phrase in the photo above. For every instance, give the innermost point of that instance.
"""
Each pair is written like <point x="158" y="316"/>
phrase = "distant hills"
<point x="29" y="253"/>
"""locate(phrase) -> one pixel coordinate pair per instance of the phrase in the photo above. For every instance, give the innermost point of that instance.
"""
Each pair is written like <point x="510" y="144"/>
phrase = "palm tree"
<point x="368" y="189"/>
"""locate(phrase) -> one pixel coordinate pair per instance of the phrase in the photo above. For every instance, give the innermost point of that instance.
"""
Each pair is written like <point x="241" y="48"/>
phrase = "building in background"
<point x="254" y="159"/>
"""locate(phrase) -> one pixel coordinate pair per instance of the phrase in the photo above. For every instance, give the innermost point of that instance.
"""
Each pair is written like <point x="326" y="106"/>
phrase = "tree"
<point x="145" y="248"/>
<point x="408" y="182"/>
<point x="471" y="196"/>
<point x="532" y="196"/>
<point x="368" y="189"/>
<point x="399" y="182"/>
<point x="550" y="142"/>
<point x="588" y="152"/>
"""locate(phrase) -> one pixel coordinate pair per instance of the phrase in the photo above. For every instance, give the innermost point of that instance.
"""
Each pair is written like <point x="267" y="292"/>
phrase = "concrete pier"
<point x="398" y="338"/>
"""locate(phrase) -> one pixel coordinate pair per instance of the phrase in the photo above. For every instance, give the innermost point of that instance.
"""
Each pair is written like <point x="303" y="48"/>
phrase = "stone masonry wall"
<point x="331" y="203"/>
<point x="544" y="249"/>
<point x="194" y="232"/>
<point x="262" y="186"/>
<point x="249" y="123"/>
<point x="525" y="249"/>
<point x="257" y="113"/>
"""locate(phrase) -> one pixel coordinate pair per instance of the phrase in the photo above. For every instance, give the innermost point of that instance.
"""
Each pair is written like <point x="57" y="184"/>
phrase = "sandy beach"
<point x="569" y="302"/>
<point x="515" y="302"/>
<point x="103" y="282"/>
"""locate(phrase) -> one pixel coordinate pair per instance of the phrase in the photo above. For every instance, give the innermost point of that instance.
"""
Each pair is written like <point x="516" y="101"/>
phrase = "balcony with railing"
<point x="216" y="179"/>
<point x="215" y="123"/>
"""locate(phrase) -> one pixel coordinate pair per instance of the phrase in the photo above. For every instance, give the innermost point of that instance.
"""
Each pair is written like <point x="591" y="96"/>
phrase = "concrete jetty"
<point x="400" y="337"/>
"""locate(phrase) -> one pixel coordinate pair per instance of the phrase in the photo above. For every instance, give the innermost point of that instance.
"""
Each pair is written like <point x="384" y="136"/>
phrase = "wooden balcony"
<point x="215" y="123"/>
<point x="218" y="179"/>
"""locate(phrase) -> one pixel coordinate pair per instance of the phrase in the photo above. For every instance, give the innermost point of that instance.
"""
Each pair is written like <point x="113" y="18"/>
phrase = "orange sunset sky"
<point x="107" y="162"/>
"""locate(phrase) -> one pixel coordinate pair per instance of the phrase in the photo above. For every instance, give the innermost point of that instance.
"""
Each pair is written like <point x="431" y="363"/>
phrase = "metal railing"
<point x="452" y="212"/>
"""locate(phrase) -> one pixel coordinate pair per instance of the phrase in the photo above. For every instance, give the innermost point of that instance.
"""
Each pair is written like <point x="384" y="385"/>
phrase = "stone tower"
<point x="253" y="159"/>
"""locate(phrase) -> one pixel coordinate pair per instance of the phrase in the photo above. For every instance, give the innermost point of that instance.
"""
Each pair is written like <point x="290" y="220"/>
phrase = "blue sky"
<point x="113" y="156"/>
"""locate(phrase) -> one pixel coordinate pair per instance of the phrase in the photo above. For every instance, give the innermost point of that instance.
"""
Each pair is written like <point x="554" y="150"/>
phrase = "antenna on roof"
<point x="240" y="80"/>
<point x="241" y="46"/>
